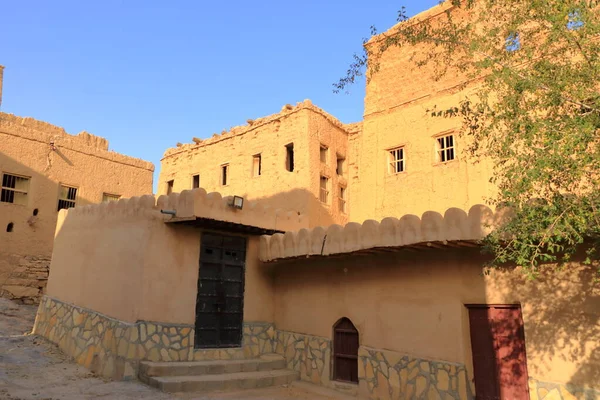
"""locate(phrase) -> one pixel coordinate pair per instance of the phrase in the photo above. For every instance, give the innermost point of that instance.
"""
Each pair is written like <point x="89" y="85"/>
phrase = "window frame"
<point x="392" y="162"/>
<point x="290" y="164"/>
<point x="225" y="174"/>
<point x="15" y="190"/>
<point x="170" y="186"/>
<point x="257" y="156"/>
<point x="66" y="199"/>
<point x="342" y="202"/>
<point x="115" y="197"/>
<point x="324" y="153"/>
<point x="445" y="150"/>
<point x="193" y="178"/>
<point x="326" y="191"/>
<point x="340" y="159"/>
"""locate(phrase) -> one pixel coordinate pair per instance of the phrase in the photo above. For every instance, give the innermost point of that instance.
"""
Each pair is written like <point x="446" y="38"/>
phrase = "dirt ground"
<point x="31" y="368"/>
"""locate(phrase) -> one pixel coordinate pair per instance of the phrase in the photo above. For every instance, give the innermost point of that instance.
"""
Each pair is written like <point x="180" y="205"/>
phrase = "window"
<point x="289" y="157"/>
<point x="170" y="186"/>
<point x="67" y="197"/>
<point x="341" y="165"/>
<point x="256" y="165"/>
<point x="445" y="148"/>
<point x="323" y="152"/>
<point x="106" y="197"/>
<point x="396" y="160"/>
<point x="324" y="192"/>
<point x="342" y="199"/>
<point x="345" y="351"/>
<point x="195" y="181"/>
<point x="14" y="189"/>
<point x="224" y="174"/>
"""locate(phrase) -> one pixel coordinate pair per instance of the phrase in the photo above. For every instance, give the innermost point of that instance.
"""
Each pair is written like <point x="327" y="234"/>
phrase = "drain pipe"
<point x="170" y="212"/>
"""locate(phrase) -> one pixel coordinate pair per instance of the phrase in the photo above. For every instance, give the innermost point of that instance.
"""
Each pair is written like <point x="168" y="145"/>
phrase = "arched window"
<point x="345" y="351"/>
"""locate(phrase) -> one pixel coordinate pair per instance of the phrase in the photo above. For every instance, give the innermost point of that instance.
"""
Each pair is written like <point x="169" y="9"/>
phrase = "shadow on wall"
<point x="407" y="302"/>
<point x="27" y="231"/>
<point x="303" y="202"/>
<point x="562" y="324"/>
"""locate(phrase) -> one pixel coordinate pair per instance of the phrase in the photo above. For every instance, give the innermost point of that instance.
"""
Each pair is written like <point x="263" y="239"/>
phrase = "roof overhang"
<point x="218" y="225"/>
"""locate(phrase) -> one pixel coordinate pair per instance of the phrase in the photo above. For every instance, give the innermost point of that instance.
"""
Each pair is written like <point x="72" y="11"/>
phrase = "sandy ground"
<point x="31" y="368"/>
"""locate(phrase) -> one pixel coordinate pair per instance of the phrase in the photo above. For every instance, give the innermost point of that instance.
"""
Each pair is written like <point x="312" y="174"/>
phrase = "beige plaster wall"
<point x="122" y="260"/>
<point x="304" y="125"/>
<point x="398" y="103"/>
<point x="81" y="160"/>
<point x="414" y="304"/>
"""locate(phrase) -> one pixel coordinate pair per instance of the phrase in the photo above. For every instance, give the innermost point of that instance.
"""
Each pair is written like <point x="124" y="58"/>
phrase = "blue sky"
<point x="147" y="74"/>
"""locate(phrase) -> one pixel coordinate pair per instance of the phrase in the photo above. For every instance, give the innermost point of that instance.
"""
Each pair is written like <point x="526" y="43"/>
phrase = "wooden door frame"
<point x="516" y="305"/>
<point x="243" y="289"/>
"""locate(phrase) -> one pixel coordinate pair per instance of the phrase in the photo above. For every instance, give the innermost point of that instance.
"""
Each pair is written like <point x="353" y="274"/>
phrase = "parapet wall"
<point x="409" y="230"/>
<point x="199" y="204"/>
<point x="286" y="111"/>
<point x="43" y="132"/>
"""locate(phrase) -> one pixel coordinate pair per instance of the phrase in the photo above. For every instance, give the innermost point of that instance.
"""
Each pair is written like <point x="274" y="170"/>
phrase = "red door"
<point x="498" y="346"/>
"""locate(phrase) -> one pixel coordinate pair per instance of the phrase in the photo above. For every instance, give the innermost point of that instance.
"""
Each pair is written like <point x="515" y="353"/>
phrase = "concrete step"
<point x="228" y="381"/>
<point x="190" y="368"/>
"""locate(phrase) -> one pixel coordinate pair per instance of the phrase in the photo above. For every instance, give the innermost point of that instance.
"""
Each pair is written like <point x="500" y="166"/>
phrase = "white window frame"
<point x="16" y="190"/>
<point x="443" y="149"/>
<point x="396" y="160"/>
<point x="66" y="199"/>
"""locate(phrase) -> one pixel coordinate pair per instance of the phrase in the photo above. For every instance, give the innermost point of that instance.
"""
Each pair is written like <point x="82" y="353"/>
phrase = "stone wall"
<point x="309" y="355"/>
<point x="390" y="375"/>
<point x="539" y="390"/>
<point x="112" y="348"/>
<point x="23" y="278"/>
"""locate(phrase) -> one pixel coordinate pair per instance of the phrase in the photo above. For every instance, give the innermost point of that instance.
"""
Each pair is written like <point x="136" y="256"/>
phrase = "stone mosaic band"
<point x="113" y="349"/>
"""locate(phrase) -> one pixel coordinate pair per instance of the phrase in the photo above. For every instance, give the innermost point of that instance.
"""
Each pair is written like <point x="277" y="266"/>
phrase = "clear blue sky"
<point x="146" y="74"/>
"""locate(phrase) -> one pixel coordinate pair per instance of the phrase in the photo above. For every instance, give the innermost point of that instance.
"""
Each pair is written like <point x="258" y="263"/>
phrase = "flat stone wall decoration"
<point x="113" y="348"/>
<point x="555" y="391"/>
<point x="310" y="355"/>
<point x="390" y="375"/>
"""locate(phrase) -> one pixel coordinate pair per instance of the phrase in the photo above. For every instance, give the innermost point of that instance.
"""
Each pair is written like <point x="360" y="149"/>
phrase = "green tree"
<point x="534" y="111"/>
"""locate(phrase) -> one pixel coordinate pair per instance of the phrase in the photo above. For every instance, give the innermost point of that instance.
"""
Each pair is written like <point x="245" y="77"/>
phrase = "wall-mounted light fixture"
<point x="237" y="202"/>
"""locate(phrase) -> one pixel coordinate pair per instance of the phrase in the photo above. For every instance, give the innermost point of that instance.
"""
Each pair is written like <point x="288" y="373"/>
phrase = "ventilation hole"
<point x="9" y="227"/>
<point x="35" y="212"/>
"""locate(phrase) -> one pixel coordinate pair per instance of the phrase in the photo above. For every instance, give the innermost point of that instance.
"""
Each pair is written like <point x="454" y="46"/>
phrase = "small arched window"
<point x="345" y="351"/>
<point x="9" y="227"/>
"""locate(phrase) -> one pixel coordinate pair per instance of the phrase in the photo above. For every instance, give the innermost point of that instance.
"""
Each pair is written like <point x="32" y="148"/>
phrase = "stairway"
<point x="205" y="376"/>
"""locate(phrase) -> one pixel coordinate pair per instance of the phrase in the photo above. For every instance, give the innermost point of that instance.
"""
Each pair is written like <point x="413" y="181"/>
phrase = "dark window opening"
<point x="256" y="165"/>
<point x="35" y="212"/>
<point x="14" y="189"/>
<point x="345" y="351"/>
<point x="195" y="181"/>
<point x="341" y="161"/>
<point x="342" y="199"/>
<point x="224" y="174"/>
<point x="446" y="148"/>
<point x="289" y="157"/>
<point x="9" y="227"/>
<point x="170" y="186"/>
<point x="324" y="151"/>
<point x="67" y="197"/>
<point x="324" y="190"/>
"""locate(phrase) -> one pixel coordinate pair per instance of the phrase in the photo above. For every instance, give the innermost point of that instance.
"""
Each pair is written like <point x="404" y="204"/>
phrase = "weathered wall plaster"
<point x="112" y="348"/>
<point x="412" y="303"/>
<point x="304" y="125"/>
<point x="82" y="161"/>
